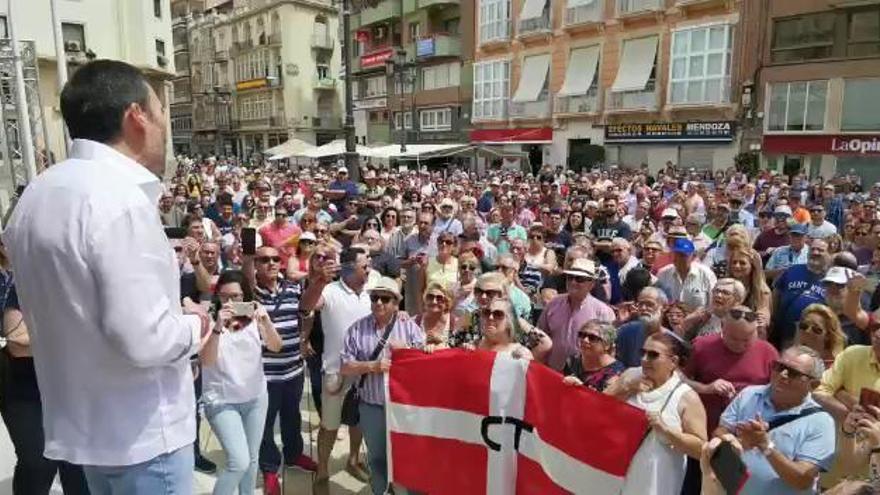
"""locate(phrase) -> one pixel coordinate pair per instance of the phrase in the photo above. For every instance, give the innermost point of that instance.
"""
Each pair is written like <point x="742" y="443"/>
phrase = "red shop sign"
<point x="823" y="144"/>
<point x="376" y="58"/>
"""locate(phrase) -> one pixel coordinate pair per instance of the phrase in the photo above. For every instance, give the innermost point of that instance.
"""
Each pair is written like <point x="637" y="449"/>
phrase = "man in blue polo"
<point x="794" y="254"/>
<point x="787" y="437"/>
<point x="795" y="289"/>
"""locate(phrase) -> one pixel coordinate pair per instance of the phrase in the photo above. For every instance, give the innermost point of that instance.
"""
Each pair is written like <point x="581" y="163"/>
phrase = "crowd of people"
<point x="724" y="305"/>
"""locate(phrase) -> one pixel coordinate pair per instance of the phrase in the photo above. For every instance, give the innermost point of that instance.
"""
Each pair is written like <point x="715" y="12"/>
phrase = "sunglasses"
<point x="267" y="259"/>
<point x="591" y="337"/>
<point x="379" y="298"/>
<point x="486" y="292"/>
<point x="579" y="279"/>
<point x="468" y="267"/>
<point x="650" y="355"/>
<point x="446" y="242"/>
<point x="435" y="298"/>
<point x="741" y="314"/>
<point x="320" y="231"/>
<point x="536" y="237"/>
<point x="812" y="328"/>
<point x="791" y="373"/>
<point x="493" y="314"/>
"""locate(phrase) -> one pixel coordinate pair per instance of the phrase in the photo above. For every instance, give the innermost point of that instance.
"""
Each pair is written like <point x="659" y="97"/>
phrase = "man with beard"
<point x="648" y="312"/>
<point x="797" y="288"/>
<point x="610" y="226"/>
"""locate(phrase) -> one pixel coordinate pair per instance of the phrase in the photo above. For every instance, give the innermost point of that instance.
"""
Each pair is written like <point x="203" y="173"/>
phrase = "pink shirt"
<point x="561" y="322"/>
<point x="274" y="236"/>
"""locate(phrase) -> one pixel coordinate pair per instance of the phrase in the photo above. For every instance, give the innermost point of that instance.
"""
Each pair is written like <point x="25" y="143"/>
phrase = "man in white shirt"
<point x="819" y="228"/>
<point x="686" y="280"/>
<point x="341" y="303"/>
<point x="112" y="349"/>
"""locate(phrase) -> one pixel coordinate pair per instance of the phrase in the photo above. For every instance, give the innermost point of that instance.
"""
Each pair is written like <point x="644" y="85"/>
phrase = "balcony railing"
<point x="275" y="39"/>
<point x="535" y="24"/>
<point x="719" y="95"/>
<point x="323" y="83"/>
<point x="645" y="100"/>
<point x="437" y="45"/>
<point x="221" y="55"/>
<point x="323" y="41"/>
<point x="497" y="32"/>
<point x="379" y="13"/>
<point x="588" y="103"/>
<point x="274" y="121"/>
<point x="632" y="7"/>
<point x="326" y="121"/>
<point x="584" y="14"/>
<point x="538" y="109"/>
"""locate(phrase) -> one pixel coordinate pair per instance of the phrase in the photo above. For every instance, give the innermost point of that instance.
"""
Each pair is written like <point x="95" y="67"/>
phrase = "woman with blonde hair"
<point x="820" y="330"/>
<point x="436" y="319"/>
<point x="744" y="264"/>
<point x="736" y="236"/>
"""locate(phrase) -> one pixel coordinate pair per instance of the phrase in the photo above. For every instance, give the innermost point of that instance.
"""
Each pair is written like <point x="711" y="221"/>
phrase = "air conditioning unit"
<point x="72" y="46"/>
<point x="161" y="61"/>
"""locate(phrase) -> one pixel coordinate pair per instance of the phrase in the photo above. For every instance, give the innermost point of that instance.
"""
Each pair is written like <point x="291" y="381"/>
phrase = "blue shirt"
<point x="797" y="287"/>
<point x="486" y="202"/>
<point x="630" y="338"/>
<point x="501" y="242"/>
<point x="810" y="439"/>
<point x="785" y="257"/>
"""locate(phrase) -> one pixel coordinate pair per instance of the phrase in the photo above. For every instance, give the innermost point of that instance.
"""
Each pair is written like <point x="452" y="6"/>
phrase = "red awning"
<point x="498" y="136"/>
<point x="822" y="144"/>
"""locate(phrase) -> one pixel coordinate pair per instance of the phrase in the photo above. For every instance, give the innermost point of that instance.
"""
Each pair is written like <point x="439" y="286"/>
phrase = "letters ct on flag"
<point x="474" y="422"/>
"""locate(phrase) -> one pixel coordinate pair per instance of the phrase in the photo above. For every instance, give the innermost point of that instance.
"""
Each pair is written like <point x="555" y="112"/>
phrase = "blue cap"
<point x="799" y="228"/>
<point x="683" y="246"/>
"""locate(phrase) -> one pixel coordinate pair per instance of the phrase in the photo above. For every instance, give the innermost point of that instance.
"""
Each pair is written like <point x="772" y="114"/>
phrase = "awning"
<point x="287" y="149"/>
<point x="581" y="71"/>
<point x="412" y="150"/>
<point x="532" y="78"/>
<point x="539" y="135"/>
<point x="335" y="147"/>
<point x="579" y="3"/>
<point x="532" y="9"/>
<point x="635" y="64"/>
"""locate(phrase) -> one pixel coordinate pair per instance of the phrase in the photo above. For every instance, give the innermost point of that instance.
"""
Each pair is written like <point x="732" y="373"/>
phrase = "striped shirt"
<point x="282" y="304"/>
<point x="360" y="342"/>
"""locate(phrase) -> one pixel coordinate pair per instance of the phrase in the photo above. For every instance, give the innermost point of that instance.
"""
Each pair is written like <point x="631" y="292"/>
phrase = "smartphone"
<point x="869" y="397"/>
<point x="729" y="468"/>
<point x="248" y="241"/>
<point x="175" y="232"/>
<point x="243" y="309"/>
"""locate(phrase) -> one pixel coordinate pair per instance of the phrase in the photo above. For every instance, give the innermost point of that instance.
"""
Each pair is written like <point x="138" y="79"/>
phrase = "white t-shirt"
<point x="342" y="307"/>
<point x="237" y="376"/>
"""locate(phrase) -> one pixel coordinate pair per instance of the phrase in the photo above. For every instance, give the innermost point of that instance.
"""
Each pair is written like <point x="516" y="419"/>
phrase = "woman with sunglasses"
<point x="537" y="254"/>
<point x="234" y="384"/>
<point x="675" y="413"/>
<point x="469" y="269"/>
<point x="744" y="264"/>
<point x="595" y="366"/>
<point x="498" y="329"/>
<point x="298" y="264"/>
<point x="820" y="330"/>
<point x="443" y="268"/>
<point x="389" y="227"/>
<point x="436" y="319"/>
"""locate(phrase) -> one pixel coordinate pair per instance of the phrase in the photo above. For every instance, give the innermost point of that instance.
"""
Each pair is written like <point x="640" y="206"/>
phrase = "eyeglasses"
<point x="467" y="267"/>
<point x="374" y="298"/>
<point x="650" y="355"/>
<point x="648" y="305"/>
<point x="307" y="220"/>
<point x="267" y="259"/>
<point x="593" y="338"/>
<point x="487" y="292"/>
<point x="238" y="296"/>
<point x="320" y="231"/>
<point x="446" y="242"/>
<point x="790" y="373"/>
<point x="580" y="279"/>
<point x="493" y="314"/>
<point x="812" y="328"/>
<point x="536" y="237"/>
<point x="741" y="314"/>
<point x="722" y="292"/>
<point x="435" y="298"/>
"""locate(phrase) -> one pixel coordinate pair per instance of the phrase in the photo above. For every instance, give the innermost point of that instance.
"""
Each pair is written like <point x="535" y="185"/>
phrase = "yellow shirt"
<point x="447" y="274"/>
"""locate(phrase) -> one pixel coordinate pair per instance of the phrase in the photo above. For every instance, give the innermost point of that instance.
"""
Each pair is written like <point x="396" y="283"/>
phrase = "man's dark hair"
<point x="349" y="256"/>
<point x="95" y="99"/>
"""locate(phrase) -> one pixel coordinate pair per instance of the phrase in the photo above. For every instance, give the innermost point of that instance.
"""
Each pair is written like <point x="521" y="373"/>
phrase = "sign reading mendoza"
<point x="496" y="425"/>
<point x="670" y="131"/>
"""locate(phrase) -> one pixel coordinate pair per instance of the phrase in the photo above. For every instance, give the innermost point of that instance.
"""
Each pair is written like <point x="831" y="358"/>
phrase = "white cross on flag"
<point x="474" y="422"/>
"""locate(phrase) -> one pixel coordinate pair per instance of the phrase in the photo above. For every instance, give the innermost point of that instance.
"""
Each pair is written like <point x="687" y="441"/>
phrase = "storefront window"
<point x="797" y="106"/>
<point x="861" y="105"/>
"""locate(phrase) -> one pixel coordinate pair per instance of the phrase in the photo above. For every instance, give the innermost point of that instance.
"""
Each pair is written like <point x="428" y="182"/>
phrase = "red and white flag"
<point x="474" y="422"/>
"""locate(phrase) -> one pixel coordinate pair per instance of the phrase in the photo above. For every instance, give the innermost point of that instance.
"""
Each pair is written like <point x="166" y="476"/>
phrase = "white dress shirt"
<point x="342" y="307"/>
<point x="694" y="290"/>
<point x="99" y="288"/>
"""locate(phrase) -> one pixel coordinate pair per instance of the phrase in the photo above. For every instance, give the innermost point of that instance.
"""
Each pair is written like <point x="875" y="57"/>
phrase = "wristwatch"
<point x="770" y="446"/>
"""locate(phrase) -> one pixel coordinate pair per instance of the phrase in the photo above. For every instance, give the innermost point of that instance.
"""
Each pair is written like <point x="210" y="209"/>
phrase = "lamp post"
<point x="351" y="156"/>
<point x="402" y="76"/>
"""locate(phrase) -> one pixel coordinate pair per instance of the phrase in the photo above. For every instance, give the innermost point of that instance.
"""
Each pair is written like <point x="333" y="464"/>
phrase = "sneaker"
<point x="303" y="462"/>
<point x="203" y="465"/>
<point x="271" y="484"/>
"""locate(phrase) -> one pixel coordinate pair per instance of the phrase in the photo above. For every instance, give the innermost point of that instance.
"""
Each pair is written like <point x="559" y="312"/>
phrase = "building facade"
<point x="180" y="109"/>
<point x="279" y="63"/>
<point x="818" y="88"/>
<point x="627" y="82"/>
<point x="411" y="66"/>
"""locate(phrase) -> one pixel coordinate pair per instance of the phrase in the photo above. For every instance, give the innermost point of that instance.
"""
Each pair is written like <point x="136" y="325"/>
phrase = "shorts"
<point x="331" y="403"/>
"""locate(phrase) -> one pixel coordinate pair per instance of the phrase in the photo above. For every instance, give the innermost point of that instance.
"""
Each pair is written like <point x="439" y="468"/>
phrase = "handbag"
<point x="350" y="413"/>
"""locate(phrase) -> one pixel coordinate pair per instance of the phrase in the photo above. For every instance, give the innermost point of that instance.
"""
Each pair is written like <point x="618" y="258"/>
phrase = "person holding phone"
<point x="234" y="384"/>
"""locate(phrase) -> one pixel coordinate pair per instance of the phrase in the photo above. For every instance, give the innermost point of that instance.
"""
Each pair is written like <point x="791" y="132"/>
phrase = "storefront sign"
<point x="252" y="84"/>
<point x="539" y="135"/>
<point x="425" y="47"/>
<point x="376" y="58"/>
<point x="670" y="131"/>
<point x="823" y="144"/>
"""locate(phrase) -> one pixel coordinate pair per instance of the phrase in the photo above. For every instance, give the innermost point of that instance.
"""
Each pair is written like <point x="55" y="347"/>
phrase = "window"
<point x="807" y="37"/>
<point x="863" y="32"/>
<point x="415" y="30"/>
<point x="451" y="26"/>
<point x="253" y="107"/>
<point x="407" y="120"/>
<point x="323" y="72"/>
<point x="74" y="36"/>
<point x="441" y="76"/>
<point x="376" y="86"/>
<point x="435" y="119"/>
<point x="161" y="61"/>
<point x="797" y="106"/>
<point x="700" y="69"/>
<point x="157" y="8"/>
<point x="254" y="65"/>
<point x="4" y="30"/>
<point x="491" y="89"/>
<point x="494" y="20"/>
<point x="861" y="106"/>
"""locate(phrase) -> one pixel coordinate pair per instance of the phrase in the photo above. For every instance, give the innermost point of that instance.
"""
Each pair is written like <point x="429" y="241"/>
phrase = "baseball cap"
<point x="341" y="170"/>
<point x="682" y="245"/>
<point x="669" y="213"/>
<point x="838" y="275"/>
<point x="798" y="229"/>
<point x="782" y="210"/>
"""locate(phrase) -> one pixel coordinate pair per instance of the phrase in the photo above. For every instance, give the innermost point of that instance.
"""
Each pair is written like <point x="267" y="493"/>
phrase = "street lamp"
<point x="402" y="76"/>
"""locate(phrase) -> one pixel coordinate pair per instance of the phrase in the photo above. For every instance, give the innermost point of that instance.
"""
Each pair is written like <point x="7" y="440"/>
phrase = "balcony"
<point x="633" y="8"/>
<point x="498" y="32"/>
<point x="646" y="100"/>
<point x="240" y="46"/>
<point x="437" y="45"/>
<point x="327" y="121"/>
<point x="423" y="4"/>
<point x="275" y="39"/>
<point x="538" y="109"/>
<point x="382" y="12"/>
<point x="322" y="41"/>
<point x="578" y="104"/>
<point x="221" y="55"/>
<point x="323" y="83"/>
<point x="691" y="3"/>
<point x="536" y="25"/>
<point x="275" y="121"/>
<point x="582" y="15"/>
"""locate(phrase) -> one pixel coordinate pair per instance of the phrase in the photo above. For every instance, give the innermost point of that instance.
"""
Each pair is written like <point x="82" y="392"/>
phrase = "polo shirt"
<point x="711" y="360"/>
<point x="786" y="256"/>
<point x="694" y="290"/>
<point x="342" y="307"/>
<point x="561" y="322"/>
<point x="770" y="239"/>
<point x="797" y="287"/>
<point x="282" y="304"/>
<point x="810" y="439"/>
<point x="513" y="232"/>
<point x="822" y="231"/>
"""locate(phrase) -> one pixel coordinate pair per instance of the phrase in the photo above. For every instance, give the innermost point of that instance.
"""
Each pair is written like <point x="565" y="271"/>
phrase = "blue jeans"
<point x="373" y="426"/>
<point x="239" y="428"/>
<point x="167" y="474"/>
<point x="284" y="398"/>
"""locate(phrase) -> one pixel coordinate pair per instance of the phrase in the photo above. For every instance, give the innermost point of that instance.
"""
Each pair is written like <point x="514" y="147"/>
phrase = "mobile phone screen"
<point x="729" y="468"/>
<point x="248" y="241"/>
